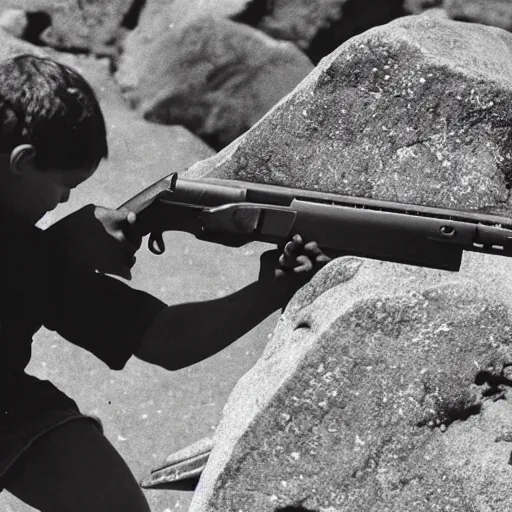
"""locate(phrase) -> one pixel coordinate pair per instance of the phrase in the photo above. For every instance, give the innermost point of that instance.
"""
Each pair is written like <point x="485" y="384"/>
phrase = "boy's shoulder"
<point x="17" y="233"/>
<point x="26" y="254"/>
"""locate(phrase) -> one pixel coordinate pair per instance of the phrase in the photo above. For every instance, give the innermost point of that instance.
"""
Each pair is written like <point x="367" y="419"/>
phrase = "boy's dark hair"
<point x="52" y="107"/>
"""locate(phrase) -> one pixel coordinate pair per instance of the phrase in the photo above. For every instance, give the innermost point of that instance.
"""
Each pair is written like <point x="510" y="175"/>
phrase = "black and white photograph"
<point x="255" y="255"/>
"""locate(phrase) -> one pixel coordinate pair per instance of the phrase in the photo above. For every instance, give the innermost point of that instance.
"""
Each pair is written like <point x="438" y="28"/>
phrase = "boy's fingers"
<point x="293" y="245"/>
<point x="300" y="257"/>
<point x="297" y="239"/>
<point x="122" y="220"/>
<point x="318" y="255"/>
<point x="122" y="216"/>
<point x="290" y="250"/>
<point x="305" y="264"/>
<point x="278" y="272"/>
<point x="283" y="260"/>
<point x="313" y="248"/>
<point x="323" y="258"/>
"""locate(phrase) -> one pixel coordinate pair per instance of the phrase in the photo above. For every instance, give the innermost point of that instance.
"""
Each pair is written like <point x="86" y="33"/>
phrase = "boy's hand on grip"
<point x="97" y="237"/>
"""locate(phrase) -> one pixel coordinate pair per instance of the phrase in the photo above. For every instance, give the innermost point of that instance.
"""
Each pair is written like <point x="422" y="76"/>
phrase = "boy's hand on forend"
<point x="96" y="237"/>
<point x="301" y="258"/>
<point x="297" y="261"/>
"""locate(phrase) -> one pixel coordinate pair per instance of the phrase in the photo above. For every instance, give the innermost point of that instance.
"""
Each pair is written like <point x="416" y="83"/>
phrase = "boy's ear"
<point x="22" y="159"/>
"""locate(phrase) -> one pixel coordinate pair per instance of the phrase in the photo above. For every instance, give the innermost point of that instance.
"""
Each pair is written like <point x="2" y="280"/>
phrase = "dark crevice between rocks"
<point x="131" y="18"/>
<point x="447" y="415"/>
<point x="494" y="385"/>
<point x="37" y="23"/>
<point x="215" y="141"/>
<point x="254" y="12"/>
<point x="493" y="388"/>
<point x="346" y="26"/>
<point x="462" y="414"/>
<point x="487" y="377"/>
<point x="459" y="16"/>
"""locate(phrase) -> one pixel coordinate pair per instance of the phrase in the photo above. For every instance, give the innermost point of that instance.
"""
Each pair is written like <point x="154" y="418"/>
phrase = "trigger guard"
<point x="156" y="243"/>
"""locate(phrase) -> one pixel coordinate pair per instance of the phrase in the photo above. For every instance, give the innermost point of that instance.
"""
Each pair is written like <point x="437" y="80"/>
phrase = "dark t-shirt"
<point x="41" y="286"/>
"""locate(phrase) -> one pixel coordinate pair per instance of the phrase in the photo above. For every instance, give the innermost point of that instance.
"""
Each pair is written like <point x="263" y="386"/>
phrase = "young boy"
<point x="52" y="138"/>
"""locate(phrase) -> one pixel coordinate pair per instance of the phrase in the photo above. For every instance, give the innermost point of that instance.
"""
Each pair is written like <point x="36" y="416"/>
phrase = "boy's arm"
<point x="186" y="334"/>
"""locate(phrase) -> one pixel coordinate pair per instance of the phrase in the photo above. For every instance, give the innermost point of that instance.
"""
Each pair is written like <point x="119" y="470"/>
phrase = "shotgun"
<point x="234" y="213"/>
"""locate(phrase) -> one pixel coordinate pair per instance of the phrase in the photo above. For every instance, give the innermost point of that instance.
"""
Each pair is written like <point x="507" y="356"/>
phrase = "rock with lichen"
<point x="420" y="101"/>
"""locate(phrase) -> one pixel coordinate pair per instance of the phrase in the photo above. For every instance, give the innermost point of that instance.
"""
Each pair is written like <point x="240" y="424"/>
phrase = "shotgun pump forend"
<point x="234" y="213"/>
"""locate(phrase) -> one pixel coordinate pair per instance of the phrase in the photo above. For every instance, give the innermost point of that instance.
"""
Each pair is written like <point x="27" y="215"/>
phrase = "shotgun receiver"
<point x="234" y="213"/>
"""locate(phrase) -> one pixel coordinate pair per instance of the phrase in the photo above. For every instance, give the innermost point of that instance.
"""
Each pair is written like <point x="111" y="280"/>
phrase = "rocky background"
<point x="384" y="387"/>
<point x="215" y="67"/>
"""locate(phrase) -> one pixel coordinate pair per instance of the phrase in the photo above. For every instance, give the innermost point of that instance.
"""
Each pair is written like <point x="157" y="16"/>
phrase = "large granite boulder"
<point x="216" y="77"/>
<point x="421" y="100"/>
<point x="384" y="387"/>
<point x="80" y="26"/>
<point x="497" y="13"/>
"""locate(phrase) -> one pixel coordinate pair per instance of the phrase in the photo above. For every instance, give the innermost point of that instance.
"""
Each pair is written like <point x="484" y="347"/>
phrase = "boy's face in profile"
<point x="44" y="190"/>
<point x="31" y="192"/>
